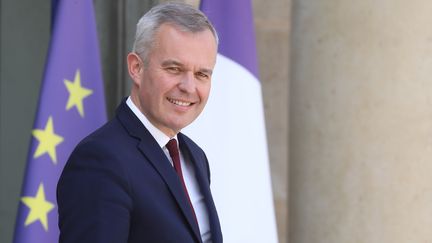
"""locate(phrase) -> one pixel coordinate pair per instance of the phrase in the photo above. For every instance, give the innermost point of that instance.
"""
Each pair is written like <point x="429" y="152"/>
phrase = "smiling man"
<point x="138" y="178"/>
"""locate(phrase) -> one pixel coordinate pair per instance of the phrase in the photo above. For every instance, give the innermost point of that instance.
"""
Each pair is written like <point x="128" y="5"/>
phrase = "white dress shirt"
<point x="192" y="186"/>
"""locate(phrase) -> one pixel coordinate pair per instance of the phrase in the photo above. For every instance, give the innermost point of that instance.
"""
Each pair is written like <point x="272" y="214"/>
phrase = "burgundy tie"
<point x="175" y="156"/>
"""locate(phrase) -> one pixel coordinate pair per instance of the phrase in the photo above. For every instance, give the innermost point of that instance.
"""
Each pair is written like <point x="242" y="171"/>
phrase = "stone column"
<point x="272" y="28"/>
<point x="361" y="122"/>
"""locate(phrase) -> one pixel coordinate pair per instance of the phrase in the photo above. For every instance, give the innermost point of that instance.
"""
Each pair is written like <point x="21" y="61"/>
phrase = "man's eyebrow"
<point x="168" y="63"/>
<point x="171" y="63"/>
<point x="206" y="71"/>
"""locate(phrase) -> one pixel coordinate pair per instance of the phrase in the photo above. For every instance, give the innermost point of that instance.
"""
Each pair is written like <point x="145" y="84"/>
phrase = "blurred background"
<point x="347" y="97"/>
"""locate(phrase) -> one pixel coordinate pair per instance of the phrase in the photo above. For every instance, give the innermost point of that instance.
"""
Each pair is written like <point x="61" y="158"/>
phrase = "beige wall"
<point x="272" y="27"/>
<point x="361" y="122"/>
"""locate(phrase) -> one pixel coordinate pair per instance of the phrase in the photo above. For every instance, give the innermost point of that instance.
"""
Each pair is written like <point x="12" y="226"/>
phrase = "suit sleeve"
<point x="94" y="200"/>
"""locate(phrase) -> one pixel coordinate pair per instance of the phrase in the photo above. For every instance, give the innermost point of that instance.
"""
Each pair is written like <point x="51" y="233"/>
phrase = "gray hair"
<point x="181" y="15"/>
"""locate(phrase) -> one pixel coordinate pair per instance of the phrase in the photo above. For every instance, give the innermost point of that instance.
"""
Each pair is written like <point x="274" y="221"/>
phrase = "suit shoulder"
<point x="109" y="134"/>
<point x="99" y="153"/>
<point x="103" y="146"/>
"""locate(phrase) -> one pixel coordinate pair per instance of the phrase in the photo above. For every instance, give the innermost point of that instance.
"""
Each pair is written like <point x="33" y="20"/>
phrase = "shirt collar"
<point x="161" y="138"/>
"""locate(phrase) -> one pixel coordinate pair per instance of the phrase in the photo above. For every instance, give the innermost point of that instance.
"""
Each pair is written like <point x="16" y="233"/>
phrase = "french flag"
<point x="231" y="129"/>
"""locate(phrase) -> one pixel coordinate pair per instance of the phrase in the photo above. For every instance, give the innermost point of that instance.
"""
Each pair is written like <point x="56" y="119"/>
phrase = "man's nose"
<point x="187" y="83"/>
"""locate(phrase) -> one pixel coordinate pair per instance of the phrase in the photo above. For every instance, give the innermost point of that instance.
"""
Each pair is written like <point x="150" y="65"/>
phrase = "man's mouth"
<point x="179" y="102"/>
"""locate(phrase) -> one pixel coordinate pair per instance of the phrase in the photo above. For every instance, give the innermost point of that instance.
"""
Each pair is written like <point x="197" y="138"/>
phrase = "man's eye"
<point x="202" y="75"/>
<point x="173" y="69"/>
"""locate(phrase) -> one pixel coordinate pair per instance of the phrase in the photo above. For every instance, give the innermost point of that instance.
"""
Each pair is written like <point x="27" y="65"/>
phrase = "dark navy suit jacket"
<point x="118" y="186"/>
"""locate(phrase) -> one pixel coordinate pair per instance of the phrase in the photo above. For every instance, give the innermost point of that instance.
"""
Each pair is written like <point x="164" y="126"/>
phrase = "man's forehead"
<point x="172" y="26"/>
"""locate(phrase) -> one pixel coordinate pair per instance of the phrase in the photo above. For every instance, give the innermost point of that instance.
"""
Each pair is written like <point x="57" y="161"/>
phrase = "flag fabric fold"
<point x="232" y="129"/>
<point x="233" y="21"/>
<point x="71" y="105"/>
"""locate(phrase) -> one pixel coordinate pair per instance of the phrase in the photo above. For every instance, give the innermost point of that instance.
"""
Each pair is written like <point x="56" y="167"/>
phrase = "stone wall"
<point x="360" y="122"/>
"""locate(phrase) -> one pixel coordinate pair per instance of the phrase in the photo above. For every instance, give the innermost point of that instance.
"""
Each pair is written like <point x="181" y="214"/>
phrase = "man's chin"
<point x="178" y="126"/>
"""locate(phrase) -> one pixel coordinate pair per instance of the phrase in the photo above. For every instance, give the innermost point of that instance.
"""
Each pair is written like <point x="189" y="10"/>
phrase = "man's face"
<point x="173" y="88"/>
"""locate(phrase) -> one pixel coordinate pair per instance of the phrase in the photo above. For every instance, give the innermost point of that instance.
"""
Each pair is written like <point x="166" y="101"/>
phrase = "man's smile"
<point x="180" y="102"/>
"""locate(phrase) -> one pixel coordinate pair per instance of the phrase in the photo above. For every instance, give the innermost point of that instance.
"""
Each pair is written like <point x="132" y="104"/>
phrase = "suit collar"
<point x="154" y="154"/>
<point x="160" y="137"/>
<point x="195" y="155"/>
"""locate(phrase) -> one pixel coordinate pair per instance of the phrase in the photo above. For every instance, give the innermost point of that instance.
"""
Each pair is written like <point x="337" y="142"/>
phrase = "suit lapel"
<point x="154" y="154"/>
<point x="199" y="161"/>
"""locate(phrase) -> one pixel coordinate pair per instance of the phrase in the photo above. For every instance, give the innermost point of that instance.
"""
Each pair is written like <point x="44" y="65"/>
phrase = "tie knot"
<point x="172" y="148"/>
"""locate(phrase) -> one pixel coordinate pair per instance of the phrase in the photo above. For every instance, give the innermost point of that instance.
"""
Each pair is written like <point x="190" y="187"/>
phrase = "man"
<point x="126" y="182"/>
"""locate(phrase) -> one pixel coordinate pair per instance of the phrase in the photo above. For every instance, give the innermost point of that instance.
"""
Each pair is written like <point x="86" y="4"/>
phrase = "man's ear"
<point x="135" y="67"/>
